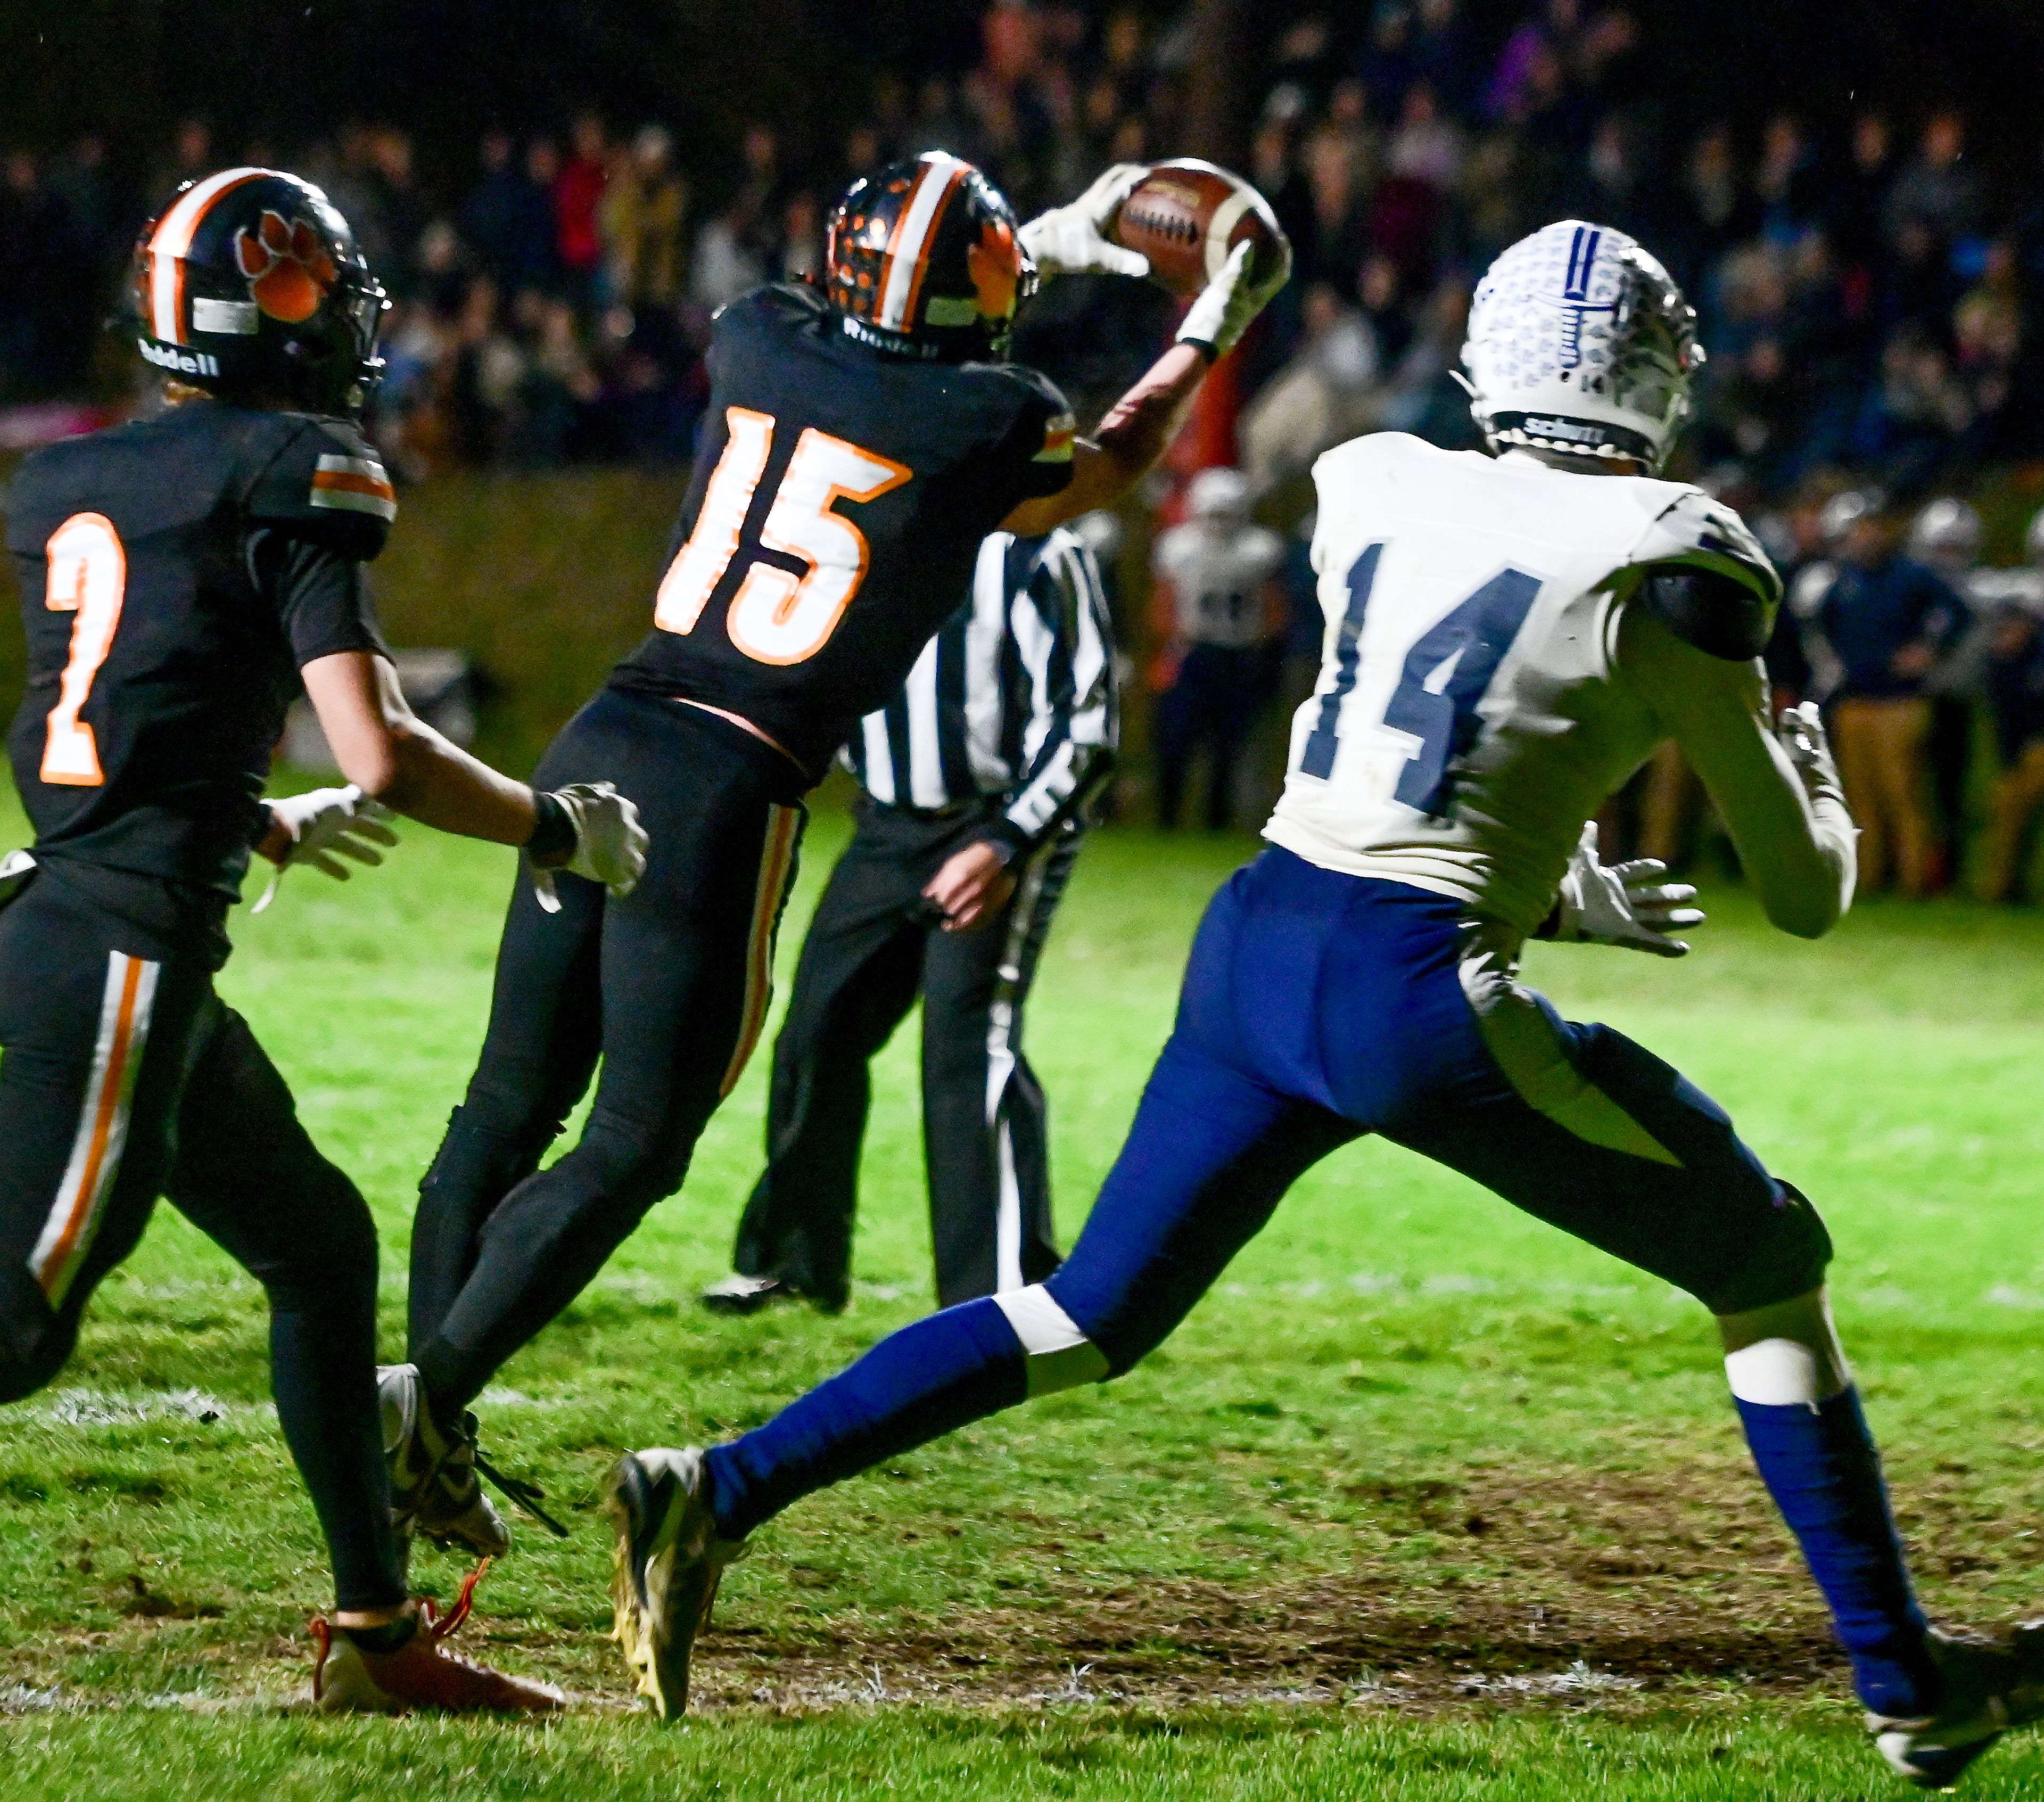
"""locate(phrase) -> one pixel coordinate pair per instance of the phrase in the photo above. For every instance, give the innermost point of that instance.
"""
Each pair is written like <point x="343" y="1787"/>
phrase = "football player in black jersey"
<point x="864" y="437"/>
<point x="179" y="576"/>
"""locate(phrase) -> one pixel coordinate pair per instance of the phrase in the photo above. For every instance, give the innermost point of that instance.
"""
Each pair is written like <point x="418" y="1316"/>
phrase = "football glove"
<point x="609" y="846"/>
<point x="1228" y="304"/>
<point x="1623" y="903"/>
<point x="324" y="822"/>
<point x="1801" y="732"/>
<point x="1072" y="239"/>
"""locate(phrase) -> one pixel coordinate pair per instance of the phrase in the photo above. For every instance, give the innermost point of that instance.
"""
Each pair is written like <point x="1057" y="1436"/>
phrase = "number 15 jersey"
<point x="1472" y="708"/>
<point x="836" y="512"/>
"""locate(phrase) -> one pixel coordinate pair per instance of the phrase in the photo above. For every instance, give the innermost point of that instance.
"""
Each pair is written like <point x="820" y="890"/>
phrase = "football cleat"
<point x="740" y="1294"/>
<point x="420" y="1673"/>
<point x="434" y="1489"/>
<point x="1987" y="1690"/>
<point x="667" y="1565"/>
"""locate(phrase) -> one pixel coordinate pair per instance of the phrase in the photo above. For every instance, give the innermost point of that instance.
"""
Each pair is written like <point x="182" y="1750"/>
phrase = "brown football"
<point x="1186" y="215"/>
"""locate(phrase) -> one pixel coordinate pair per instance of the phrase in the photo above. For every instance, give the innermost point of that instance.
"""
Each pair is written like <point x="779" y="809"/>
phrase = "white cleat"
<point x="434" y="1489"/>
<point x="668" y="1561"/>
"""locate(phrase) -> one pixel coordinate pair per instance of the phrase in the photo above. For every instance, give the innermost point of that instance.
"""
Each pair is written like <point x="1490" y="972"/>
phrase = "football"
<point x="1186" y="215"/>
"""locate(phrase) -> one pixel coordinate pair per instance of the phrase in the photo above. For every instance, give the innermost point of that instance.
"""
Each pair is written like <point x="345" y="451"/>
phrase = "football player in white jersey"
<point x="1507" y="638"/>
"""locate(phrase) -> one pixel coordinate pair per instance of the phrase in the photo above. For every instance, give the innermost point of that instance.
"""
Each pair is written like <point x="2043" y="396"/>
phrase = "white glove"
<point x="1228" y="304"/>
<point x="325" y="821"/>
<point x="1623" y="903"/>
<point x="610" y="844"/>
<point x="1801" y="732"/>
<point x="1072" y="239"/>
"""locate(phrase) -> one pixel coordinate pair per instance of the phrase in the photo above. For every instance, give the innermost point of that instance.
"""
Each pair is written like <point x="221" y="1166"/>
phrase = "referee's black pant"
<point x="874" y="944"/>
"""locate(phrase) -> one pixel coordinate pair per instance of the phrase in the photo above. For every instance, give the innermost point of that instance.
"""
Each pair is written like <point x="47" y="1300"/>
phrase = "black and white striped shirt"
<point x="1015" y="697"/>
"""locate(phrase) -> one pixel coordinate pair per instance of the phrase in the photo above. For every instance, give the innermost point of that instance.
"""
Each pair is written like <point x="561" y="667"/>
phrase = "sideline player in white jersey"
<point x="1507" y="639"/>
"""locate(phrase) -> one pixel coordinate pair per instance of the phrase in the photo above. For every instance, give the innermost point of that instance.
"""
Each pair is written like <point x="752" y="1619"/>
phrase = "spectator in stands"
<point x="1221" y="572"/>
<point x="1937" y="191"/>
<point x="483" y="379"/>
<point x="644" y="209"/>
<point x="2015" y="688"/>
<point x="578" y="196"/>
<point x="1325" y="393"/>
<point x="1945" y="537"/>
<point x="190" y="158"/>
<point x="1887" y="619"/>
<point x="507" y="219"/>
<point x="1914" y="419"/>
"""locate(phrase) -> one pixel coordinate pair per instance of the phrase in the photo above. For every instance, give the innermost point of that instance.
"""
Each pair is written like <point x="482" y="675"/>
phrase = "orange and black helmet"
<point x="925" y="260"/>
<point x="250" y="283"/>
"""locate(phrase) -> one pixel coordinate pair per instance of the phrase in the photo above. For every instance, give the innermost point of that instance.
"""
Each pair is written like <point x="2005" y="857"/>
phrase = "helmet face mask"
<point x="1580" y="344"/>
<point x="250" y="286"/>
<point x="924" y="259"/>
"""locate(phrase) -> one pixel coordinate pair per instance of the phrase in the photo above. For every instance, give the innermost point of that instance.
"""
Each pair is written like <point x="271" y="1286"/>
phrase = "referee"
<point x="975" y="778"/>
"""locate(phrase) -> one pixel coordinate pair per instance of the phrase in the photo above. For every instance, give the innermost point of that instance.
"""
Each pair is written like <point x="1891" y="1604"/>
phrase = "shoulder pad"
<point x="1698" y="532"/>
<point x="325" y="483"/>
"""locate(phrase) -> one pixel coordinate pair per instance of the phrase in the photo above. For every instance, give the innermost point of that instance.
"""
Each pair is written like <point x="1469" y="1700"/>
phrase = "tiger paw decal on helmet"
<point x="287" y="266"/>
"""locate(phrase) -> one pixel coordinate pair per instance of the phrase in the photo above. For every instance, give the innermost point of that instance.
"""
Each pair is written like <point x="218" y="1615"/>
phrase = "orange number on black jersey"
<point x="88" y="577"/>
<point x="777" y="617"/>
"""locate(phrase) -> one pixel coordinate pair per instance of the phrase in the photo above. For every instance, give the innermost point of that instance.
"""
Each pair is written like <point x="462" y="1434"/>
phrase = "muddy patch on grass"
<point x="1588" y="1587"/>
<point x="1621" y="1591"/>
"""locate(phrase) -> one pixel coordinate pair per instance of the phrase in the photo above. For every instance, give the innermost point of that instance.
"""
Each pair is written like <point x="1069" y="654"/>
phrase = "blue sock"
<point x="915" y="1385"/>
<point x="1820" y="1465"/>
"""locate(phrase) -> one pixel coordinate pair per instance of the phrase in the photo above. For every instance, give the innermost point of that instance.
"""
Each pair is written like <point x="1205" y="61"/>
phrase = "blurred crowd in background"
<point x="1870" y="295"/>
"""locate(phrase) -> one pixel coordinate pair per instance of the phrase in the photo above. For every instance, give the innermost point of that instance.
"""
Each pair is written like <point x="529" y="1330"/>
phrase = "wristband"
<point x="553" y="840"/>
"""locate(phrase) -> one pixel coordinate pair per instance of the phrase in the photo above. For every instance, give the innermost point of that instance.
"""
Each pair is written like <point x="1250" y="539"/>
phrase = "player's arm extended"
<point x="1786" y="813"/>
<point x="1139" y="425"/>
<point x="394" y="757"/>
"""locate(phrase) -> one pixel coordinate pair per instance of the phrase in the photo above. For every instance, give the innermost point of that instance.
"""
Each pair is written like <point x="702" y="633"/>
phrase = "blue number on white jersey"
<point x="1446" y="670"/>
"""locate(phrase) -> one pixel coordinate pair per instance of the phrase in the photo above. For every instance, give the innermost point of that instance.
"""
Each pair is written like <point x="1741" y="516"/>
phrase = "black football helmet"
<point x="250" y="281"/>
<point x="925" y="260"/>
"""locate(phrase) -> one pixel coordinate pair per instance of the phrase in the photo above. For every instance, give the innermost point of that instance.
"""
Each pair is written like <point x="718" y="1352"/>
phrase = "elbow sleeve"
<point x="1719" y="615"/>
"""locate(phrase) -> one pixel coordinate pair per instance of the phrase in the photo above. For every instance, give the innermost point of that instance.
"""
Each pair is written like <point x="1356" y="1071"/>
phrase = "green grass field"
<point x="1425" y="1500"/>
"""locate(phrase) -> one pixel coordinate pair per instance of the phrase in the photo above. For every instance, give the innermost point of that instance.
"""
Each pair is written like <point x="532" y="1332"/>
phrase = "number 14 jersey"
<point x="1473" y="709"/>
<point x="836" y="512"/>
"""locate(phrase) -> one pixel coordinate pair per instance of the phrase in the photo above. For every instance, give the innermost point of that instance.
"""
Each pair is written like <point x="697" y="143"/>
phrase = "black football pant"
<point x="670" y="987"/>
<point x="124" y="1076"/>
<point x="874" y="944"/>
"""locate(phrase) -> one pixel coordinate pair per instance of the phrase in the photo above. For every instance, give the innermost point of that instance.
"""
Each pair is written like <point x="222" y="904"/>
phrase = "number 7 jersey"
<point x="1472" y="710"/>
<point x="836" y="509"/>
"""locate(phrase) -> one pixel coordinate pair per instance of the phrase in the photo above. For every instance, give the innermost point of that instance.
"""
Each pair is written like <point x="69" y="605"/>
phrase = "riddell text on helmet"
<point x="184" y="363"/>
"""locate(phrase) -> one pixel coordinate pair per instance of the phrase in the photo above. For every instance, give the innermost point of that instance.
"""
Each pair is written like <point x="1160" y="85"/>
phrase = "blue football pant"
<point x="1316" y="1007"/>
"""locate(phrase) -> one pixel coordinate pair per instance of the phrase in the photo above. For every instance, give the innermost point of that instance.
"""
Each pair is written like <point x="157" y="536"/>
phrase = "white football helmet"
<point x="1844" y="511"/>
<point x="1946" y="535"/>
<point x="1580" y="343"/>
<point x="1219" y="495"/>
